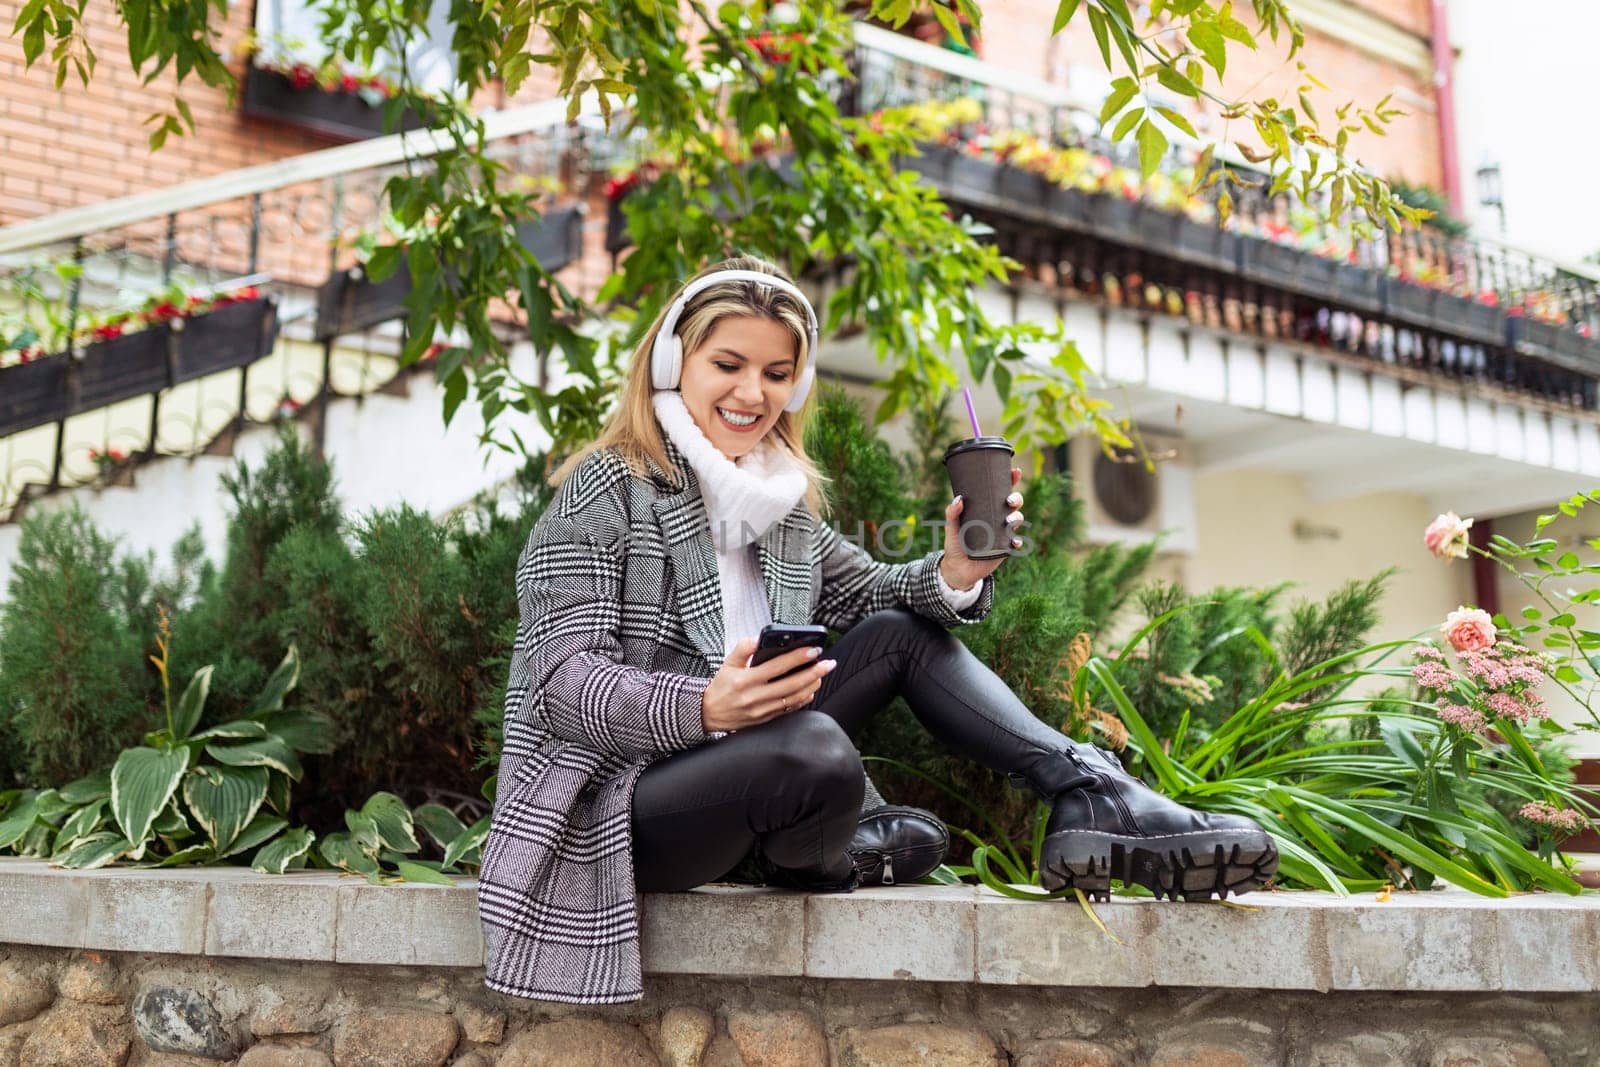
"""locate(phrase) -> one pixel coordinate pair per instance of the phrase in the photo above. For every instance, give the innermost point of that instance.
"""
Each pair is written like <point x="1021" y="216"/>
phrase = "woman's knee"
<point x="813" y="745"/>
<point x="906" y="626"/>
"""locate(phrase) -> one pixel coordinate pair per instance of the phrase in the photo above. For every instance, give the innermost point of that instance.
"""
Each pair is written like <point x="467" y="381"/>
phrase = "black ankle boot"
<point x="895" y="843"/>
<point x="1107" y="824"/>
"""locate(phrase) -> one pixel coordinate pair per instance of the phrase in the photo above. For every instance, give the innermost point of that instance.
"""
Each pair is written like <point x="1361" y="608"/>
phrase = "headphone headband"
<point x="666" y="355"/>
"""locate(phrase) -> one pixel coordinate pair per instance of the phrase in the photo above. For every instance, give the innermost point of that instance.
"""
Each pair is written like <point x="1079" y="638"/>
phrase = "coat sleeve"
<point x="854" y="585"/>
<point x="569" y="595"/>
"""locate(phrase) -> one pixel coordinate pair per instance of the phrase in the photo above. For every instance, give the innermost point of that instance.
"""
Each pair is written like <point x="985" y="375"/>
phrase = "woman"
<point x="643" y="753"/>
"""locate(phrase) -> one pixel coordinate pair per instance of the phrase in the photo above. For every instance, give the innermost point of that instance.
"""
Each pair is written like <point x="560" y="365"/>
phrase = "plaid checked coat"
<point x="620" y="633"/>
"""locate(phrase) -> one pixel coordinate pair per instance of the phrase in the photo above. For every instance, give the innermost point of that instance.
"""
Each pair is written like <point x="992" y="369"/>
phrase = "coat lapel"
<point x="784" y="552"/>
<point x="681" y="515"/>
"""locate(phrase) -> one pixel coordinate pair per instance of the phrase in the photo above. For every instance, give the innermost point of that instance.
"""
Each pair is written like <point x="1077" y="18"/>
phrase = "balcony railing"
<point x="94" y="404"/>
<point x="1030" y="159"/>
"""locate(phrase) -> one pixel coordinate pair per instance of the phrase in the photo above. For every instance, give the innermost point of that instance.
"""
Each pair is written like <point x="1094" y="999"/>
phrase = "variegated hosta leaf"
<point x="363" y="831"/>
<point x="238" y="730"/>
<point x="283" y="679"/>
<point x="186" y="716"/>
<point x="36" y="842"/>
<point x="52" y="807"/>
<point x="81" y="823"/>
<point x="142" y="781"/>
<point x="275" y="857"/>
<point x="413" y="871"/>
<point x="223" y="800"/>
<point x="87" y="790"/>
<point x="261" y="829"/>
<point x="267" y="752"/>
<point x="96" y="850"/>
<point x="278" y="793"/>
<point x="22" y="818"/>
<point x="303" y="731"/>
<point x="467" y="843"/>
<point x="341" y="851"/>
<point x="171" y="822"/>
<point x="440" y="822"/>
<point x="393" y="818"/>
<point x="192" y="854"/>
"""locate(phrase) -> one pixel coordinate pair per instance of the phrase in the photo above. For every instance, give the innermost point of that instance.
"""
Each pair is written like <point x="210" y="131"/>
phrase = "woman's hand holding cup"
<point x="740" y="697"/>
<point x="961" y="571"/>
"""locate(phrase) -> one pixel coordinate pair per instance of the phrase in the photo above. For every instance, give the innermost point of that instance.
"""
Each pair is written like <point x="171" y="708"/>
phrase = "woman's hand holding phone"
<point x="740" y="697"/>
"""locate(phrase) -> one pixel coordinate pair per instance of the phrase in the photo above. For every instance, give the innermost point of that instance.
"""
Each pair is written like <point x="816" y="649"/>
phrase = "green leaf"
<point x="238" y="730"/>
<point x="186" y="716"/>
<point x="267" y="752"/>
<point x="224" y="800"/>
<point x="303" y="731"/>
<point x="393" y="820"/>
<point x="1064" y="14"/>
<point x="1207" y="40"/>
<point x="1122" y="91"/>
<point x="344" y="853"/>
<point x="1181" y="123"/>
<point x="416" y="872"/>
<point x="276" y="856"/>
<point x="1176" y="82"/>
<point x="262" y="828"/>
<point x="1152" y="148"/>
<point x="441" y="824"/>
<point x="192" y="854"/>
<point x="142" y="781"/>
<point x="19" y="821"/>
<point x="86" y="790"/>
<point x="93" y="851"/>
<point x="283" y="679"/>
<point x="468" y="840"/>
<point x="81" y="823"/>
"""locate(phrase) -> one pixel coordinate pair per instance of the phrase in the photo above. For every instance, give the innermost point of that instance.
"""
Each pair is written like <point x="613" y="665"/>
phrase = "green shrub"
<point x="73" y="685"/>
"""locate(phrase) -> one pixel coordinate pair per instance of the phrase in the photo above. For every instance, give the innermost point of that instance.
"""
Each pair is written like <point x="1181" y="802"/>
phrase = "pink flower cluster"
<point x="1500" y="682"/>
<point x="1564" y="819"/>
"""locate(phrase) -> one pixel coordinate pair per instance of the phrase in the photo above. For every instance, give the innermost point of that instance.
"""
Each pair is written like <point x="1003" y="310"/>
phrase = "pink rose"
<point x="1469" y="630"/>
<point x="1446" y="536"/>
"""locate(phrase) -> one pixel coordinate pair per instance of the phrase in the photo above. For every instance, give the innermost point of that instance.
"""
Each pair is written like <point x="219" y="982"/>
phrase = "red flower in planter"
<point x="433" y="351"/>
<point x="163" y="312"/>
<point x="302" y="76"/>
<point x="108" y="331"/>
<point x="1488" y="297"/>
<point x="349" y="83"/>
<point x="1515" y="311"/>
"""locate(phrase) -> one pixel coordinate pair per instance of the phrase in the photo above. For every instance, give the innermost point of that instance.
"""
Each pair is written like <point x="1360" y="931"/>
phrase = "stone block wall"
<point x="82" y="1008"/>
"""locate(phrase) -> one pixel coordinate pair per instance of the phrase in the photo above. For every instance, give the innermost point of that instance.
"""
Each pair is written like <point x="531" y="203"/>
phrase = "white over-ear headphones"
<point x="666" y="357"/>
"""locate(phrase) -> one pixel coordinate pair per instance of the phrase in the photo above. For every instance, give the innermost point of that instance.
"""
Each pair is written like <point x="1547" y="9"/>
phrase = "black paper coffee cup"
<point x="980" y="473"/>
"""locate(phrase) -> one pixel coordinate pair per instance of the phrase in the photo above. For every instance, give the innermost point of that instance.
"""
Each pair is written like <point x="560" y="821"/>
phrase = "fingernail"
<point x="828" y="665"/>
<point x="813" y="652"/>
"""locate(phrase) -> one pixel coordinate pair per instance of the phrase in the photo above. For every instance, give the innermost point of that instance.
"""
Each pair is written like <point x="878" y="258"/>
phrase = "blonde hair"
<point x="632" y="430"/>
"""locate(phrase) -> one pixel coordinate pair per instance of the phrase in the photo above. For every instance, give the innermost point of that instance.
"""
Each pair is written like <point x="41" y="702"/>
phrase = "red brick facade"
<point x="80" y="146"/>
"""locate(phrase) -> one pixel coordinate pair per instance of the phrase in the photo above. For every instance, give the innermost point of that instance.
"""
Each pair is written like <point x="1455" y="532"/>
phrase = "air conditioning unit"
<point x="1128" y="503"/>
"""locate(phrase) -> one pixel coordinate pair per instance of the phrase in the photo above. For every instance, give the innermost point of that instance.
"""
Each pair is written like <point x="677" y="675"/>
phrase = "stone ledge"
<point x="1443" y="941"/>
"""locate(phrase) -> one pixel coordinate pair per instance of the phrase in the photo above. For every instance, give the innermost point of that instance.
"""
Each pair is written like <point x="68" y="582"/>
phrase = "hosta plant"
<point x="192" y="796"/>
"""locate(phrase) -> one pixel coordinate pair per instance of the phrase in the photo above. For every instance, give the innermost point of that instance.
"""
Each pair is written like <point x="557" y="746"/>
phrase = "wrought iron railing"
<point x="85" y="411"/>
<point x="1459" y="305"/>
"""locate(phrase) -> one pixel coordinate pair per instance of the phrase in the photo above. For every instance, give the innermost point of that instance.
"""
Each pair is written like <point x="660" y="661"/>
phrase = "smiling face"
<point x="737" y="381"/>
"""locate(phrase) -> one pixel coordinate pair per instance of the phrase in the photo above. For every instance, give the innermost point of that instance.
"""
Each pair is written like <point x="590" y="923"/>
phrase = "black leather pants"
<point x="796" y="782"/>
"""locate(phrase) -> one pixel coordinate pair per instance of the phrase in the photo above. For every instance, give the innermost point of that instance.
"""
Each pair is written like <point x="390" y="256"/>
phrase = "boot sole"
<point x="1195" y="866"/>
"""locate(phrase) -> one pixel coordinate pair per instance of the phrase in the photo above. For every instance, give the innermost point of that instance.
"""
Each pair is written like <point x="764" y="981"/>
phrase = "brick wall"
<point x="80" y="146"/>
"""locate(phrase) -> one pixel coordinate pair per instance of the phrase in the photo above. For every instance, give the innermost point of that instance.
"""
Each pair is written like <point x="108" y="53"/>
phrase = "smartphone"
<point x="777" y="638"/>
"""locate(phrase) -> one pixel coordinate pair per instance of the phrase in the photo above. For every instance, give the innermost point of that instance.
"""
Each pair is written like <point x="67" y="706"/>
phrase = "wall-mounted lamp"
<point x="1490" y="191"/>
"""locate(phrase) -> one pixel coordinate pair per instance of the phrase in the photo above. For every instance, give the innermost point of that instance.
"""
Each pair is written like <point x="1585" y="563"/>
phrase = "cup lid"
<point x="972" y="443"/>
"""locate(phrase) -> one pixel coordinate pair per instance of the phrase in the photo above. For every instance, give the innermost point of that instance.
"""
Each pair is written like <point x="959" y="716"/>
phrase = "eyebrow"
<point x="746" y="359"/>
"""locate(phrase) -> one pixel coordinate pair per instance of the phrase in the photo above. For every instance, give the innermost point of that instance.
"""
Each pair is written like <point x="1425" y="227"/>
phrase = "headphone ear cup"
<point x="676" y="365"/>
<point x="801" y="389"/>
<point x="666" y="362"/>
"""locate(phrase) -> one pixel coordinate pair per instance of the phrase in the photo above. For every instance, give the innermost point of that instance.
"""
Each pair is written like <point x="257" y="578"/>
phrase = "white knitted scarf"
<point x="743" y="500"/>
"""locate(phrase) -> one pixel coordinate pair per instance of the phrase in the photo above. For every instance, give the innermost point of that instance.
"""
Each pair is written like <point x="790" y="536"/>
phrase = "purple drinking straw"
<point x="971" y="412"/>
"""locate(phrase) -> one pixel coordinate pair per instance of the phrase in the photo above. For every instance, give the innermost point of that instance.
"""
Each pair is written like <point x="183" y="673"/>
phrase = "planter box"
<point x="350" y="302"/>
<point x="337" y="115"/>
<point x="33" y="394"/>
<point x="227" y="338"/>
<point x="1358" y="288"/>
<point x="124" y="367"/>
<point x="1159" y="231"/>
<point x="1114" y="219"/>
<point x="616" y="226"/>
<point x="1024" y="189"/>
<point x="1205" y="245"/>
<point x="1316" y="276"/>
<point x="1269" y="263"/>
<point x="973" y="179"/>
<point x="1461" y="317"/>
<point x="1068" y="208"/>
<point x="1408" y="303"/>
<point x="555" y="238"/>
<point x="1561" y="345"/>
